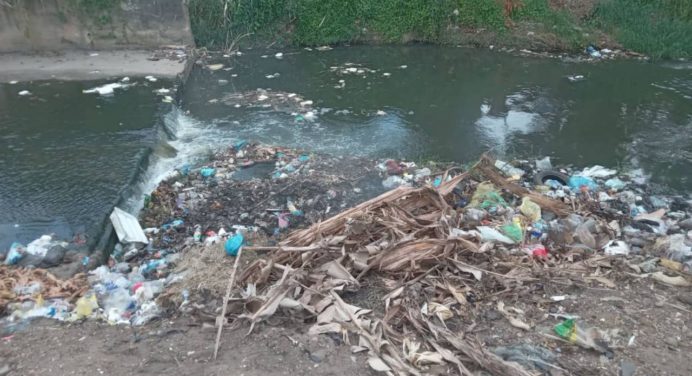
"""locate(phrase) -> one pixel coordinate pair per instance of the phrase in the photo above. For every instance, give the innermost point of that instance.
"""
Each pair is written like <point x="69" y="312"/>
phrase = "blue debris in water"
<point x="437" y="182"/>
<point x="240" y="144"/>
<point x="207" y="172"/>
<point x="185" y="170"/>
<point x="304" y="158"/>
<point x="233" y="244"/>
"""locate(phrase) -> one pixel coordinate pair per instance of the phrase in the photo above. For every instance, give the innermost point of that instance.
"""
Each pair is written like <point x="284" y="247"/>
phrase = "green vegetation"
<point x="659" y="28"/>
<point x="481" y="13"/>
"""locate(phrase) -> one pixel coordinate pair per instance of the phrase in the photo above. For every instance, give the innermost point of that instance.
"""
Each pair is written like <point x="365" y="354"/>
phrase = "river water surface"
<point x="68" y="157"/>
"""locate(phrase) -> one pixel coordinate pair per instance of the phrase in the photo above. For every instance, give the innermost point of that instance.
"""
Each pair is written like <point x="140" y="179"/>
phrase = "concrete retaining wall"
<point x="51" y="25"/>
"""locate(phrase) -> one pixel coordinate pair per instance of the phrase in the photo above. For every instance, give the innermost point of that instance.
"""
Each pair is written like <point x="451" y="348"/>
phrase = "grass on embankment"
<point x="660" y="30"/>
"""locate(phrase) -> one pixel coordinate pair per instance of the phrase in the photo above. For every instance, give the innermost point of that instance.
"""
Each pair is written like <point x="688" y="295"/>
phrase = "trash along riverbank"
<point x="506" y="268"/>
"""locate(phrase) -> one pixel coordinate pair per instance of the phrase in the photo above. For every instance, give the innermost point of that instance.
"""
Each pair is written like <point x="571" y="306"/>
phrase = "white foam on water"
<point x="184" y="142"/>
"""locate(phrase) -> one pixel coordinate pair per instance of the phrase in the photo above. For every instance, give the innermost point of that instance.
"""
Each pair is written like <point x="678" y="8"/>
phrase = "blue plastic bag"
<point x="15" y="254"/>
<point x="577" y="181"/>
<point x="233" y="244"/>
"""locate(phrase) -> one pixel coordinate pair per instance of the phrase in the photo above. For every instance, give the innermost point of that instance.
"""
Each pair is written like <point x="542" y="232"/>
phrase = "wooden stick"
<point x="225" y="301"/>
<point x="310" y="248"/>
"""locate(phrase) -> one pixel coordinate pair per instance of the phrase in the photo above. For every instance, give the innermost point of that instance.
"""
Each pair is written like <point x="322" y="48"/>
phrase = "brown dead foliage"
<point x="407" y="238"/>
<point x="51" y="287"/>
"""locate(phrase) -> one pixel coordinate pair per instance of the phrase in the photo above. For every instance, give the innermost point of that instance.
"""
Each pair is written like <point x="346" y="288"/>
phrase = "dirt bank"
<point x="84" y="65"/>
<point x="174" y="348"/>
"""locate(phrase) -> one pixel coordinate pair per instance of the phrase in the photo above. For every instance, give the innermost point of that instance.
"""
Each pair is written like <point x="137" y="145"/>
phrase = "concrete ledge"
<point x="80" y="65"/>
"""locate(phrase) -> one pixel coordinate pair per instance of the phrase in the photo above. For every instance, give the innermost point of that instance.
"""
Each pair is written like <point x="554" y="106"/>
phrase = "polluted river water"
<point x="69" y="157"/>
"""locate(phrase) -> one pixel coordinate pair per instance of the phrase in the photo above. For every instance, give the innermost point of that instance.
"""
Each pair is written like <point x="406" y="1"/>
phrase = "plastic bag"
<point x="530" y="209"/>
<point x="86" y="306"/>
<point x="615" y="184"/>
<point x="486" y="197"/>
<point x="513" y="231"/>
<point x="233" y="244"/>
<point x="536" y="250"/>
<point x="490" y="234"/>
<point x="578" y="182"/>
<point x="15" y="254"/>
<point x="616" y="247"/>
<point x="589" y="338"/>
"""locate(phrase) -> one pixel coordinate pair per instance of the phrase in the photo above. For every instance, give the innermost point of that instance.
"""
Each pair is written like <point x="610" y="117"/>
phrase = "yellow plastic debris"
<point x="530" y="209"/>
<point x="86" y="306"/>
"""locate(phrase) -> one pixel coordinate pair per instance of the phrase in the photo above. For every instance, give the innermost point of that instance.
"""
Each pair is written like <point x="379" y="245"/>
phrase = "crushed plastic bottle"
<point x="508" y="169"/>
<point x="490" y="234"/>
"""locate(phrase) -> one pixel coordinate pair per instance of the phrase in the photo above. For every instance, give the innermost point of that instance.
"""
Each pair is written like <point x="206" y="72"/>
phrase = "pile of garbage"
<point x="248" y="193"/>
<point x="27" y="293"/>
<point x="255" y="189"/>
<point x="434" y="256"/>
<point x="394" y="258"/>
<point x="61" y="258"/>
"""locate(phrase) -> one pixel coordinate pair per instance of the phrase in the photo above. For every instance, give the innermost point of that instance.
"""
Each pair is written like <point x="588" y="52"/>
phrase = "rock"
<point x="98" y="256"/>
<point x="53" y="257"/>
<point x="66" y="271"/>
<point x="318" y="356"/>
<point x="492" y="315"/>
<point x="672" y="342"/>
<point x="686" y="224"/>
<point x="30" y="260"/>
<point x="685" y="298"/>
<point x="627" y="368"/>
<point x="637" y="242"/>
<point x="72" y="255"/>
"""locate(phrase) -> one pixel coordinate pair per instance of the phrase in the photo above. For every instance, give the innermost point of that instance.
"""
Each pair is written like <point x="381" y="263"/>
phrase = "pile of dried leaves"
<point x="409" y="238"/>
<point x="14" y="280"/>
